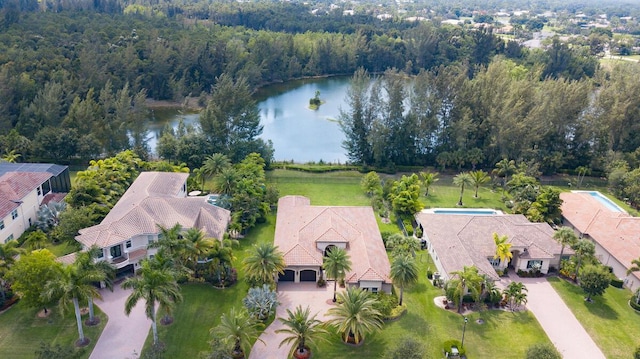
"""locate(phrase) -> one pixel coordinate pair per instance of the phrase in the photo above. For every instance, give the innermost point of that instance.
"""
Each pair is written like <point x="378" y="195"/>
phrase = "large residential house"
<point x="459" y="240"/>
<point x="24" y="187"/>
<point x="615" y="233"/>
<point x="153" y="199"/>
<point x="305" y="234"/>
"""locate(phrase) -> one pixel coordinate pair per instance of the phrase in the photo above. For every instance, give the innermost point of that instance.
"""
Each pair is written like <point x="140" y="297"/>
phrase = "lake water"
<point x="298" y="133"/>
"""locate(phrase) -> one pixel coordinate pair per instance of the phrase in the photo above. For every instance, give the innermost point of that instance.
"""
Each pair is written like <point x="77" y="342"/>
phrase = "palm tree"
<point x="8" y="253"/>
<point x="198" y="246"/>
<point x="336" y="263"/>
<point x="466" y="279"/>
<point x="302" y="329"/>
<point x="74" y="283"/>
<point x="566" y="237"/>
<point x="172" y="243"/>
<point x="49" y="215"/>
<point x="583" y="248"/>
<point x="225" y="182"/>
<point x="11" y="156"/>
<point x="239" y="329"/>
<point x="462" y="179"/>
<point x="401" y="244"/>
<point x="154" y="285"/>
<point x="478" y="178"/>
<point x="221" y="256"/>
<point x="515" y="293"/>
<point x="505" y="168"/>
<point x="428" y="180"/>
<point x="103" y="269"/>
<point x="355" y="316"/>
<point x="264" y="262"/>
<point x="404" y="272"/>
<point x="215" y="164"/>
<point x="635" y="267"/>
<point x="503" y="249"/>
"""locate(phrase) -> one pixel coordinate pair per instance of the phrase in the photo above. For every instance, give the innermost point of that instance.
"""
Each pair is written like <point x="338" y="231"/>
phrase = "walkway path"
<point x="557" y="320"/>
<point x="122" y="337"/>
<point x="290" y="296"/>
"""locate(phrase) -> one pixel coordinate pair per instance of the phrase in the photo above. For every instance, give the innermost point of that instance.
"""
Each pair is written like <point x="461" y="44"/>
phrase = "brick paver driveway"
<point x="290" y="296"/>
<point x="122" y="337"/>
<point x="557" y="320"/>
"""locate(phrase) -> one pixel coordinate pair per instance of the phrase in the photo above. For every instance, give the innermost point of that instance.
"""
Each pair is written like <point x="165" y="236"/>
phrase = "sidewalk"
<point x="123" y="337"/>
<point x="557" y="320"/>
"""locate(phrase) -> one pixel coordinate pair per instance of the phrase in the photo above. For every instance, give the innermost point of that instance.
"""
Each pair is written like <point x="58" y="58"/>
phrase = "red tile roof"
<point x="300" y="227"/>
<point x="616" y="232"/>
<point x="151" y="201"/>
<point x="14" y="186"/>
<point x="467" y="240"/>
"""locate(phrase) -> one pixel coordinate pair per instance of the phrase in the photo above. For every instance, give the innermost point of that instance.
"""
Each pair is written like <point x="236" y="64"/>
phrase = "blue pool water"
<point x="605" y="201"/>
<point x="473" y="212"/>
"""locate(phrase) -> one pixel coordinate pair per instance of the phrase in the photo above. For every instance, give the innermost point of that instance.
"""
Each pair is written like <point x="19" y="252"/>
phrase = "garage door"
<point x="308" y="276"/>
<point x="287" y="276"/>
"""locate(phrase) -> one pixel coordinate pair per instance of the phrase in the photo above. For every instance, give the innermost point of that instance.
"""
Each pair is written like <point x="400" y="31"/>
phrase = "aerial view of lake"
<point x="298" y="133"/>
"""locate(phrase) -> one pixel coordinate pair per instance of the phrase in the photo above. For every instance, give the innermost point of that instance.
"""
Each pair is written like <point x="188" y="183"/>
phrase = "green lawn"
<point x="63" y="248"/>
<point x="502" y="332"/>
<point x="21" y="331"/>
<point x="203" y="304"/>
<point x="609" y="320"/>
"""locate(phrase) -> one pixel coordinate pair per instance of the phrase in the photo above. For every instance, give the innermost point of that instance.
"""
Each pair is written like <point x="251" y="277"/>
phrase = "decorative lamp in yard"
<point x="464" y="328"/>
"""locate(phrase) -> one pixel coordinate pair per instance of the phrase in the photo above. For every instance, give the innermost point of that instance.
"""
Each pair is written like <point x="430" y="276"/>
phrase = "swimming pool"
<point x="604" y="200"/>
<point x="465" y="211"/>
<point x="213" y="199"/>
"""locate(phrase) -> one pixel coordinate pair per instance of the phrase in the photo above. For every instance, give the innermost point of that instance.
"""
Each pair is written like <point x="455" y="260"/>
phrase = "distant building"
<point x="24" y="187"/>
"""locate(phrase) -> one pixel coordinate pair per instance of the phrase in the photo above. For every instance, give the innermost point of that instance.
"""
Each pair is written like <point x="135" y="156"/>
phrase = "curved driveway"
<point x="290" y="296"/>
<point x="557" y="320"/>
<point x="123" y="337"/>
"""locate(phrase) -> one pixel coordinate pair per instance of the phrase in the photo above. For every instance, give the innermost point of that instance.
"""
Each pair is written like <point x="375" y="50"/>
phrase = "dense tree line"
<point x="443" y="118"/>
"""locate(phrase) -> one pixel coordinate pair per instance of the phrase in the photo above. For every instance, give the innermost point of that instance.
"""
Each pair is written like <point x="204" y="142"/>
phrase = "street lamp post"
<point x="464" y="328"/>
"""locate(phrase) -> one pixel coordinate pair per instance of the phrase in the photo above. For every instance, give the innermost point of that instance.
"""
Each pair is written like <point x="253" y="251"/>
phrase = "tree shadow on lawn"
<point x="599" y="307"/>
<point x="372" y="347"/>
<point x="412" y="322"/>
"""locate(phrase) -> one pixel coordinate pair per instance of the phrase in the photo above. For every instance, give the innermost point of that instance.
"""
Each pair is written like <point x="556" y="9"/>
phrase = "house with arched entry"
<point x="305" y="233"/>
<point x="459" y="240"/>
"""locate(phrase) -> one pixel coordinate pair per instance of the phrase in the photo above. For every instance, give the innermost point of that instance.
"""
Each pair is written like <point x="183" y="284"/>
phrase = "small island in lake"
<point x="315" y="102"/>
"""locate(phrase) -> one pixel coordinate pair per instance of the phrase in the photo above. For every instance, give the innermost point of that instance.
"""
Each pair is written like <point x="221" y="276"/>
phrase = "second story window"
<point x="14" y="214"/>
<point x="128" y="244"/>
<point x="1" y="225"/>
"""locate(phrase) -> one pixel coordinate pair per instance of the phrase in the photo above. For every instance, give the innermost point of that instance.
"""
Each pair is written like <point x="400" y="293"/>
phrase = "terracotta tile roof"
<point x="53" y="197"/>
<point x="151" y="201"/>
<point x="466" y="240"/>
<point x="616" y="232"/>
<point x="14" y="186"/>
<point x="300" y="227"/>
<point x="67" y="259"/>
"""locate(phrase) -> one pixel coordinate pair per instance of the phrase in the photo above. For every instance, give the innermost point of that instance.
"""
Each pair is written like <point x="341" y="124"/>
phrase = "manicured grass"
<point x="63" y="248"/>
<point x="203" y="304"/>
<point x="609" y="319"/>
<point x="503" y="333"/>
<point x="327" y="189"/>
<point x="21" y="331"/>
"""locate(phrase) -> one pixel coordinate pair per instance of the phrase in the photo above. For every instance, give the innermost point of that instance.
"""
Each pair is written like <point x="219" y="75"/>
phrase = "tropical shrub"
<point x="261" y="302"/>
<point x="385" y="303"/>
<point x="407" y="348"/>
<point x="616" y="282"/>
<point x="543" y="351"/>
<point x="454" y="343"/>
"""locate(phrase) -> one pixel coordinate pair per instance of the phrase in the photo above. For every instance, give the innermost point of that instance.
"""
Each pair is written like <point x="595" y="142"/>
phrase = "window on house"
<point x="128" y="244"/>
<point x="374" y="290"/>
<point x="1" y="225"/>
<point x="116" y="251"/>
<point x="534" y="264"/>
<point x="39" y="191"/>
<point x="151" y="238"/>
<point x="494" y="261"/>
<point x="100" y="254"/>
<point x="9" y="238"/>
<point x="14" y="214"/>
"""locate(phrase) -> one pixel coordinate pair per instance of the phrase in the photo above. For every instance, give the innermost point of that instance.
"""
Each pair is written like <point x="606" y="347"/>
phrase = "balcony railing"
<point x="129" y="256"/>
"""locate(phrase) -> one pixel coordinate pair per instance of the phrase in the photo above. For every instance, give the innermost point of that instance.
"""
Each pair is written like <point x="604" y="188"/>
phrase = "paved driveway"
<point x="290" y="296"/>
<point x="557" y="320"/>
<point x="122" y="337"/>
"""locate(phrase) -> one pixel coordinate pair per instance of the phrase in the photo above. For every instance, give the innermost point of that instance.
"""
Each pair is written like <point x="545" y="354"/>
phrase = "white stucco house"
<point x="458" y="240"/>
<point x="304" y="233"/>
<point x="24" y="187"/>
<point x="615" y="233"/>
<point x="153" y="199"/>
